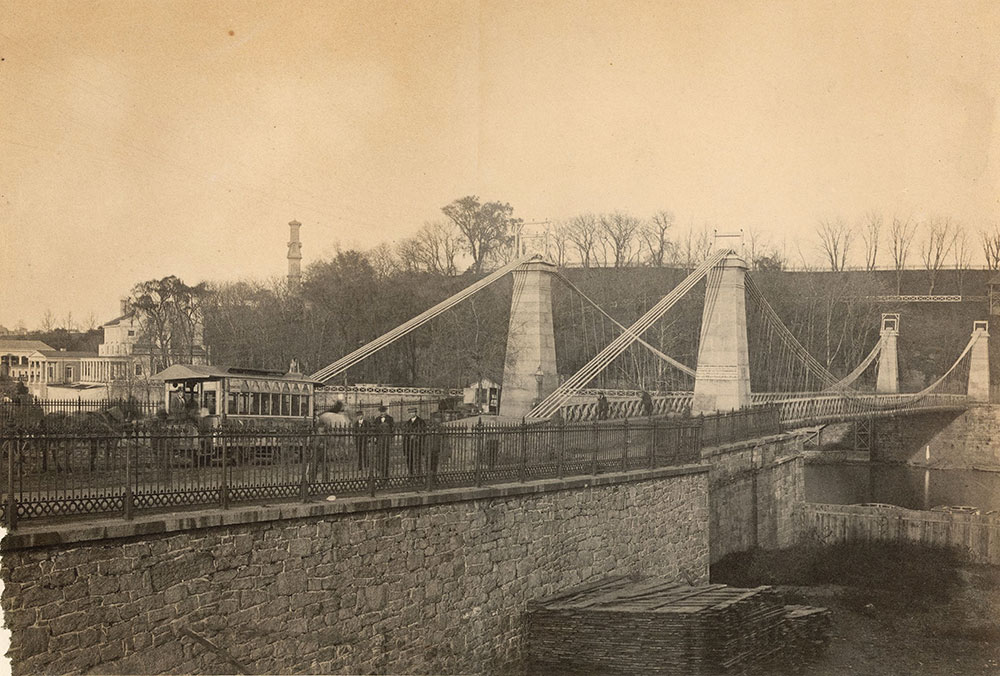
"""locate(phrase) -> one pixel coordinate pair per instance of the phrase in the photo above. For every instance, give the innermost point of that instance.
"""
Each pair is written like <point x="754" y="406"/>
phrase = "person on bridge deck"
<point x="646" y="404"/>
<point x="383" y="431"/>
<point x="360" y="431"/>
<point x="414" y="430"/>
<point x="602" y="407"/>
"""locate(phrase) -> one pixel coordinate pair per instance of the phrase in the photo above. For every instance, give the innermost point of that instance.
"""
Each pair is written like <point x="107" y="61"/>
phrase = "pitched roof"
<point x="118" y="320"/>
<point x="14" y="344"/>
<point x="204" y="372"/>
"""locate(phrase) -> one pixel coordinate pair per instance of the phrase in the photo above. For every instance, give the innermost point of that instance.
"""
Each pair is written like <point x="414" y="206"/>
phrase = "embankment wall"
<point x="754" y="490"/>
<point x="432" y="582"/>
<point x="968" y="440"/>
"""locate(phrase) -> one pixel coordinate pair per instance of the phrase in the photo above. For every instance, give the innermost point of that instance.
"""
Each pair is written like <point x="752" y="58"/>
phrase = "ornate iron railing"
<point x="176" y="465"/>
<point x="793" y="407"/>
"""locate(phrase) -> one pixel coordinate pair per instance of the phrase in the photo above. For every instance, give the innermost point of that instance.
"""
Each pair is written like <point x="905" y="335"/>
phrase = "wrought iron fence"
<point x="30" y="408"/>
<point x="141" y="468"/>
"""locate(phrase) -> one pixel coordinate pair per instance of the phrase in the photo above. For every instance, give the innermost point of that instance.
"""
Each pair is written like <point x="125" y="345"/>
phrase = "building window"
<point x="69" y="374"/>
<point x="131" y="332"/>
<point x="138" y="369"/>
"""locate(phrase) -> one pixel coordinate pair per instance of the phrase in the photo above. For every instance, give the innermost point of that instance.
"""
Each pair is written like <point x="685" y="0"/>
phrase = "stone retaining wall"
<point x="412" y="583"/>
<point x="754" y="489"/>
<point x="969" y="440"/>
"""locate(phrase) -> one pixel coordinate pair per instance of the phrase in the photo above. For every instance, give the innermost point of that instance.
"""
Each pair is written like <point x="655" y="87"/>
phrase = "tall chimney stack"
<point x="294" y="256"/>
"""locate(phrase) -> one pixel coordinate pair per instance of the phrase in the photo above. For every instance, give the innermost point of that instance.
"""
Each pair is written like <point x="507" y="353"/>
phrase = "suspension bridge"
<point x="746" y="356"/>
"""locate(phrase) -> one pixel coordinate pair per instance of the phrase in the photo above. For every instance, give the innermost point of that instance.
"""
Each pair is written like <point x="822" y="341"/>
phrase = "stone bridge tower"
<point x="887" y="381"/>
<point x="722" y="380"/>
<point x="979" y="364"/>
<point x="529" y="369"/>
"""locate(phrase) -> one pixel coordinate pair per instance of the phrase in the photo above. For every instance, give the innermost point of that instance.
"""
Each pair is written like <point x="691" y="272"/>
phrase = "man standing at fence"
<point x="414" y="430"/>
<point x="602" y="407"/>
<point x="359" y="429"/>
<point x="383" y="431"/>
<point x="646" y="404"/>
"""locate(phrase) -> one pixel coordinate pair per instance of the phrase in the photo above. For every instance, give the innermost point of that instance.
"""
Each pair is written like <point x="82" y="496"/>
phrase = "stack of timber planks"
<point x="627" y="625"/>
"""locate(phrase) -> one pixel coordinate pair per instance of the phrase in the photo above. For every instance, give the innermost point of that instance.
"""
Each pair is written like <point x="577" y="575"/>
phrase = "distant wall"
<point x="415" y="583"/>
<point x="977" y="534"/>
<point x="968" y="440"/>
<point x="754" y="490"/>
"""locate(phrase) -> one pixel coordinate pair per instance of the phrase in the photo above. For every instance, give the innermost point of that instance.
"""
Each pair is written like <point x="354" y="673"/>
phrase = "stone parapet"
<point x="410" y="583"/>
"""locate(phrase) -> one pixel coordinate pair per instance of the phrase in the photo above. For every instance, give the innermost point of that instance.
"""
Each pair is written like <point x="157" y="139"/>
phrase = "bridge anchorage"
<point x="738" y="367"/>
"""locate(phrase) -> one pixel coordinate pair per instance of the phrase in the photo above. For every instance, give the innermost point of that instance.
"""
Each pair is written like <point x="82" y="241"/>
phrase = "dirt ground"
<point x="895" y="609"/>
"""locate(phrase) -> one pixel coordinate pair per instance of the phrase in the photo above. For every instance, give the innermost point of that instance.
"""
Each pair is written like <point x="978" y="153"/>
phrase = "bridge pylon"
<point x="979" y="364"/>
<point x="529" y="369"/>
<point x="722" y="380"/>
<point x="888" y="360"/>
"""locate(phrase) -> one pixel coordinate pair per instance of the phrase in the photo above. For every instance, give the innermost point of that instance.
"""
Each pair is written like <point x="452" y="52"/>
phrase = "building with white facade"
<point x="15" y="355"/>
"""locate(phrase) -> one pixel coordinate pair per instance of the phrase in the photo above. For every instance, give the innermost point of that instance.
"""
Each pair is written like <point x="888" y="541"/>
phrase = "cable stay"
<point x="327" y="373"/>
<point x="667" y="358"/>
<point x="927" y="390"/>
<point x="849" y="379"/>
<point x="548" y="406"/>
<point x="826" y="378"/>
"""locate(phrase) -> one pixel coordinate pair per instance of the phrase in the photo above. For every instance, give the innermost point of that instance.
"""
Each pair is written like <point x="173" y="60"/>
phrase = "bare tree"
<point x="990" y="237"/>
<point x="937" y="246"/>
<point x="408" y="254"/>
<point x="583" y="231"/>
<point x="901" y="235"/>
<point x="870" y="235"/>
<point x="48" y="321"/>
<point x="434" y="248"/>
<point x="963" y="257"/>
<point x="384" y="260"/>
<point x="655" y="235"/>
<point x="695" y="246"/>
<point x="620" y="230"/>
<point x="556" y="242"/>
<point x="835" y="238"/>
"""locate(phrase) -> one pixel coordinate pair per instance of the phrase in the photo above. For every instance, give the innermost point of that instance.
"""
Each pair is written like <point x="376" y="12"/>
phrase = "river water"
<point x="910" y="487"/>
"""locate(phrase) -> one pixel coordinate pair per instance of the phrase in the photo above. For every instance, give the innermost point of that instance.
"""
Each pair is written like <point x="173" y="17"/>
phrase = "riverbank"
<point x="896" y="609"/>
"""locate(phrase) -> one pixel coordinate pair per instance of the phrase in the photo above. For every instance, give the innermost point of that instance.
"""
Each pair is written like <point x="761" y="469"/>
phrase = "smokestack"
<point x="125" y="306"/>
<point x="294" y="256"/>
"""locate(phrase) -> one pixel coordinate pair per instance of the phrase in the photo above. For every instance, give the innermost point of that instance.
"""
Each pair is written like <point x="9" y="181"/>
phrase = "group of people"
<point x="604" y="407"/>
<point x="376" y="435"/>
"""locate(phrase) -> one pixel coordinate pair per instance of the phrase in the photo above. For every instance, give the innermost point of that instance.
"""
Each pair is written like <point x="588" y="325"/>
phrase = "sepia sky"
<point x="141" y="139"/>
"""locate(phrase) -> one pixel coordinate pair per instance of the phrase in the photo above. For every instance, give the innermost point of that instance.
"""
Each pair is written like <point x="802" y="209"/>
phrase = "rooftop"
<point x="56" y="354"/>
<point x="7" y="344"/>
<point x="205" y="372"/>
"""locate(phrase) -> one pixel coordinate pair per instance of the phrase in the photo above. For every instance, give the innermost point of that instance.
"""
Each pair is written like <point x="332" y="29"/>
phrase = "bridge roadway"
<point x="797" y="409"/>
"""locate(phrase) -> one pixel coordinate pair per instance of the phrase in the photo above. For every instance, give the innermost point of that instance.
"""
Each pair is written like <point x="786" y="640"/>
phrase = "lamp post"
<point x="539" y="379"/>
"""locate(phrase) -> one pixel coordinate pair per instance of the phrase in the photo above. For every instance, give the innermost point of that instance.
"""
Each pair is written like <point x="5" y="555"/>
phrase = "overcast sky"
<point x="141" y="139"/>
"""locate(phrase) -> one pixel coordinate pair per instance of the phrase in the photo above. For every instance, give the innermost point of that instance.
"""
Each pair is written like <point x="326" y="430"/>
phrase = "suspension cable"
<point x="670" y="360"/>
<point x="366" y="350"/>
<point x="548" y="406"/>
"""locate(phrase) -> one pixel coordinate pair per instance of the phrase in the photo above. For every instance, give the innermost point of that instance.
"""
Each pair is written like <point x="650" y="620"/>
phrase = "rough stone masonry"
<point x="413" y="583"/>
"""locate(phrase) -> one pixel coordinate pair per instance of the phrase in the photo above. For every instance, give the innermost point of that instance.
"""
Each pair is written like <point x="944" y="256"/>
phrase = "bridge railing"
<point x="820" y="407"/>
<point x="119" y="474"/>
<point x="792" y="407"/>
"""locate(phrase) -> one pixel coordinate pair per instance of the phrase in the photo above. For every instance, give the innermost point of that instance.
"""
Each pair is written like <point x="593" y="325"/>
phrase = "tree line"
<point x="622" y="262"/>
